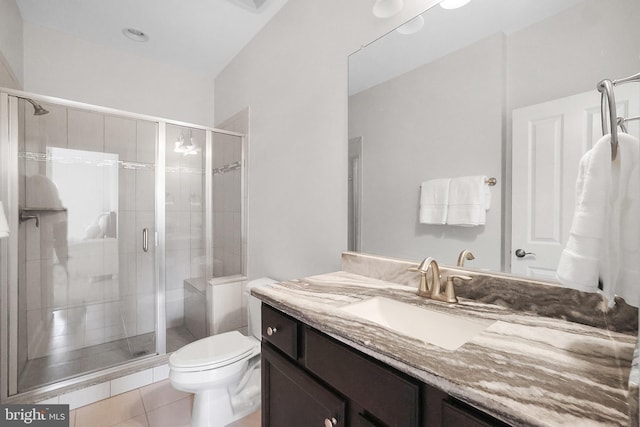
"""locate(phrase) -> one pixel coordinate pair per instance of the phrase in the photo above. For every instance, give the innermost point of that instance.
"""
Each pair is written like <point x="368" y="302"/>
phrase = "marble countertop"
<point x="524" y="369"/>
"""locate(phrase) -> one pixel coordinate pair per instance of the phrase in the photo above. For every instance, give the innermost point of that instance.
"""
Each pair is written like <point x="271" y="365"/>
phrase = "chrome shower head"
<point x="38" y="110"/>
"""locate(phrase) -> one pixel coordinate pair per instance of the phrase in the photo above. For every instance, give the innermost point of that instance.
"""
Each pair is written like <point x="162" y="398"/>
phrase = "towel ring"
<point x="605" y="87"/>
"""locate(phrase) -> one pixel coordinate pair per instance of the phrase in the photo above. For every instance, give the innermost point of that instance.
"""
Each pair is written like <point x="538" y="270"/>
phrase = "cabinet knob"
<point x="271" y="331"/>
<point x="330" y="422"/>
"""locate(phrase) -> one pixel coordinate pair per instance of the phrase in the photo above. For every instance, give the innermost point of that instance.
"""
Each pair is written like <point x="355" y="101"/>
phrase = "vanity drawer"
<point x="280" y="330"/>
<point x="389" y="397"/>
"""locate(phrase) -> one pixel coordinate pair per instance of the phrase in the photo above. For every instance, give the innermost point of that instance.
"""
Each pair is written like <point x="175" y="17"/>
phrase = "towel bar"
<point x="491" y="181"/>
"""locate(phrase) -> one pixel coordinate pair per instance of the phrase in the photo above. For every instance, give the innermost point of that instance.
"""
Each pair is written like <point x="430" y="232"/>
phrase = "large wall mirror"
<point x="497" y="88"/>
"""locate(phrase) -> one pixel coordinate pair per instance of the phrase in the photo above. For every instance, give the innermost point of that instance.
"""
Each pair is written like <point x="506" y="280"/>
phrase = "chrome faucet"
<point x="433" y="291"/>
<point x="465" y="254"/>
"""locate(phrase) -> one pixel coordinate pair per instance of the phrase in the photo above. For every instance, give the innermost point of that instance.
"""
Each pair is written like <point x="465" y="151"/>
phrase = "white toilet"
<point x="223" y="371"/>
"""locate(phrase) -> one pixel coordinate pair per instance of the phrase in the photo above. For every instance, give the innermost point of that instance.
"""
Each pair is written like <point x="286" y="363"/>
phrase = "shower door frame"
<point x="9" y="247"/>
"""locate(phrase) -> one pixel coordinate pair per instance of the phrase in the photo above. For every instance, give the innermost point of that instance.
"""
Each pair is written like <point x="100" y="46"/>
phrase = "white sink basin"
<point x="433" y="327"/>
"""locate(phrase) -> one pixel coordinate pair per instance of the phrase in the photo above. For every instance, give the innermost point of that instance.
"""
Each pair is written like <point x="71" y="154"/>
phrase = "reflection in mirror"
<point x="450" y="101"/>
<point x="92" y="209"/>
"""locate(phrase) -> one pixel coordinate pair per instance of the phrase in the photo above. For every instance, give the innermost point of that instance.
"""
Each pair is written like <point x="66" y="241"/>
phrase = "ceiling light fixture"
<point x="185" y="145"/>
<point x="412" y="26"/>
<point x="453" y="4"/>
<point x="387" y="8"/>
<point x="255" y="6"/>
<point x="135" y="35"/>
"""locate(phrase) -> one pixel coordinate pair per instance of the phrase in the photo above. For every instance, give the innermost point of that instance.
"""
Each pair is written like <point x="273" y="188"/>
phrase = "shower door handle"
<point x="145" y="239"/>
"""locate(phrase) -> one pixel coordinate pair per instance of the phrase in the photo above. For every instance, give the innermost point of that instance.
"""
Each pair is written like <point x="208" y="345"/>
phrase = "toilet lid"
<point x="213" y="351"/>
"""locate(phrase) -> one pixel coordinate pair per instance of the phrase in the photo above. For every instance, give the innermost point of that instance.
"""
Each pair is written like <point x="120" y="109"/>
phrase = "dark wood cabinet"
<point x="390" y="397"/>
<point x="291" y="398"/>
<point x="280" y="330"/>
<point x="311" y="379"/>
<point x="457" y="414"/>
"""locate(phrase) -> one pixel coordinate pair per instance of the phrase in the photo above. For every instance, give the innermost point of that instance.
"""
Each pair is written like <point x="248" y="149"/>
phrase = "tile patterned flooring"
<point x="155" y="405"/>
<point x="63" y="365"/>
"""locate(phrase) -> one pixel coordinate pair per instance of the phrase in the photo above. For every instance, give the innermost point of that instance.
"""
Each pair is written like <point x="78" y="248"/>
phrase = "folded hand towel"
<point x="434" y="196"/>
<point x="469" y="199"/>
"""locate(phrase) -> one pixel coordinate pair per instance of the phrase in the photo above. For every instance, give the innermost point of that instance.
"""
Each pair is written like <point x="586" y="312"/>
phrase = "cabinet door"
<point x="290" y="398"/>
<point x="364" y="421"/>
<point x="392" y="399"/>
<point x="456" y="414"/>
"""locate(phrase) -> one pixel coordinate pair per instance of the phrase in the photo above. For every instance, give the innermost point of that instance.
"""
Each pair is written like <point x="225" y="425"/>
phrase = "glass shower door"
<point x="187" y="264"/>
<point x="86" y="265"/>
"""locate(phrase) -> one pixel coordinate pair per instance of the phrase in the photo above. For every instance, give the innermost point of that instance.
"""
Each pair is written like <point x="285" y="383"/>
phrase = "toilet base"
<point x="213" y="408"/>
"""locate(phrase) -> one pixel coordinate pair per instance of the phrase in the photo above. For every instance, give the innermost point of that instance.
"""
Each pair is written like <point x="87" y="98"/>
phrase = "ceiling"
<point x="445" y="31"/>
<point x="205" y="35"/>
<point x="200" y="35"/>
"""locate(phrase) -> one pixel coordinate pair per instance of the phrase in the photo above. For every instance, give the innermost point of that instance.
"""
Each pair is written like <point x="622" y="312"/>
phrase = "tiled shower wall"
<point x="227" y="243"/>
<point x="229" y="301"/>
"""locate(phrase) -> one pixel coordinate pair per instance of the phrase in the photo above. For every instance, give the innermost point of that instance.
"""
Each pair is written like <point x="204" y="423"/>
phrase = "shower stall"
<point x="117" y="223"/>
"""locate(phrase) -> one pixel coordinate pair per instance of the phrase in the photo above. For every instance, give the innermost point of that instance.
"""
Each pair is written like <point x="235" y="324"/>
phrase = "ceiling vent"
<point x="255" y="6"/>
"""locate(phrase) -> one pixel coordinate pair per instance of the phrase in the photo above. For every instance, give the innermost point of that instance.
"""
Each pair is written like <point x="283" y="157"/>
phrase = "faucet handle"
<point x="423" y="288"/>
<point x="459" y="276"/>
<point x="450" y="293"/>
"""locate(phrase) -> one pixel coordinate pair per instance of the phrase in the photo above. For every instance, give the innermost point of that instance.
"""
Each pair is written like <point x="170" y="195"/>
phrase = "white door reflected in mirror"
<point x="549" y="140"/>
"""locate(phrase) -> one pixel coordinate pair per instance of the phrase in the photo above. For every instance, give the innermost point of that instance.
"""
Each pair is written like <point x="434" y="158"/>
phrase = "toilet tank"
<point x="255" y="318"/>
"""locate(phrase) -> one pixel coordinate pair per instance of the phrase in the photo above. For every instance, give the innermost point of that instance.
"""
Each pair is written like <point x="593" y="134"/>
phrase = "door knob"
<point x="521" y="253"/>
<point x="271" y="330"/>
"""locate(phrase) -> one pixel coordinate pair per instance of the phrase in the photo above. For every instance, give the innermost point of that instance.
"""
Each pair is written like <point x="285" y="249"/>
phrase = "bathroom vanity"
<point x="325" y="382"/>
<point x="325" y="365"/>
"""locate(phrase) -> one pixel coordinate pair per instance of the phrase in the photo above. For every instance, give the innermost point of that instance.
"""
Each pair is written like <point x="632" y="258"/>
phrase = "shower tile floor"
<point x="59" y="366"/>
<point x="155" y="405"/>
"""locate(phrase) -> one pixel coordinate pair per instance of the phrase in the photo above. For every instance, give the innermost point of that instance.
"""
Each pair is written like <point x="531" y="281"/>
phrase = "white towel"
<point x="434" y="196"/>
<point x="469" y="200"/>
<point x="4" y="226"/>
<point x="604" y="241"/>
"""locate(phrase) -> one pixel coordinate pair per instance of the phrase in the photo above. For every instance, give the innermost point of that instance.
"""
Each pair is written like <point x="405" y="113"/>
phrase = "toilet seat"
<point x="213" y="352"/>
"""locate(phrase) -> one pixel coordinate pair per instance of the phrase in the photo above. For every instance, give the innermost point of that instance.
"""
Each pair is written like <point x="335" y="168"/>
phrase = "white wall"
<point x="10" y="45"/>
<point x="6" y="76"/>
<point x="414" y="128"/>
<point x="603" y="37"/>
<point x="64" y="66"/>
<point x="293" y="77"/>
